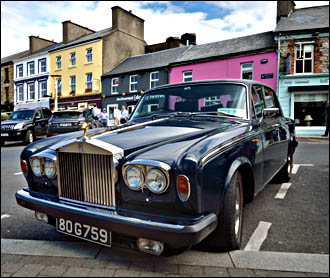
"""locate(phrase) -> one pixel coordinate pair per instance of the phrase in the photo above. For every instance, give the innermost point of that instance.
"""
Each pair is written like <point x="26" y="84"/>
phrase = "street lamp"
<point x="55" y="76"/>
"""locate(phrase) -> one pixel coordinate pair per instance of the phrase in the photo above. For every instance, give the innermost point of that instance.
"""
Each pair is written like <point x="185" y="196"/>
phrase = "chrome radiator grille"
<point x="7" y="127"/>
<point x="86" y="177"/>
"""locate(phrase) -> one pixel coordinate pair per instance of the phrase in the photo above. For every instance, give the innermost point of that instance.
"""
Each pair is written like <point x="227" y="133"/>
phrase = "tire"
<point x="29" y="137"/>
<point x="228" y="234"/>
<point x="285" y="174"/>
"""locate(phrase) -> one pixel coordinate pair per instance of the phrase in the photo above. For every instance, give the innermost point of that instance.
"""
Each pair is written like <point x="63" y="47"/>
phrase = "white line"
<point x="258" y="237"/>
<point x="283" y="190"/>
<point x="5" y="216"/>
<point x="19" y="173"/>
<point x="296" y="167"/>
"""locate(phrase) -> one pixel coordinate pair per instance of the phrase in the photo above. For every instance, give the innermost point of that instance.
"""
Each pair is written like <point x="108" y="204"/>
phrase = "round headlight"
<point x="50" y="168"/>
<point x="133" y="178"/>
<point x="156" y="181"/>
<point x="36" y="167"/>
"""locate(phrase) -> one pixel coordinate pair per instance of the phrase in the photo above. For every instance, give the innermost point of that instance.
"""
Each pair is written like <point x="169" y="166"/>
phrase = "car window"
<point x="66" y="115"/>
<point x="269" y="97"/>
<point x="21" y="115"/>
<point x="257" y="99"/>
<point x="38" y="114"/>
<point x="47" y="113"/>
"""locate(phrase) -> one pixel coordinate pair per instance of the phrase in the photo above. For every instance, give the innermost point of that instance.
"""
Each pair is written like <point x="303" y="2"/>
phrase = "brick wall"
<point x="7" y="83"/>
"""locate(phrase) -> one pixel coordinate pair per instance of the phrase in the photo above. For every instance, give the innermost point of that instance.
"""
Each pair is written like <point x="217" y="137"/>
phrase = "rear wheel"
<point x="228" y="234"/>
<point x="29" y="138"/>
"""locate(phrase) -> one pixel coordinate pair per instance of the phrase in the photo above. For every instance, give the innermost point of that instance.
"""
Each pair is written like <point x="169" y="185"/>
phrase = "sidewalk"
<point x="79" y="259"/>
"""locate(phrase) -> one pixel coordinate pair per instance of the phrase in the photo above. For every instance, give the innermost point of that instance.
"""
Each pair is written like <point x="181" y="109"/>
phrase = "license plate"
<point x="84" y="231"/>
<point x="66" y="124"/>
<point x="4" y="134"/>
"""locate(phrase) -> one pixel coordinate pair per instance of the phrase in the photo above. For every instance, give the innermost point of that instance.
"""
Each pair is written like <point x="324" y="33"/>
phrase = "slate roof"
<point x="85" y="38"/>
<point x="148" y="61"/>
<point x="45" y="49"/>
<point x="14" y="56"/>
<point x="305" y="19"/>
<point x="229" y="47"/>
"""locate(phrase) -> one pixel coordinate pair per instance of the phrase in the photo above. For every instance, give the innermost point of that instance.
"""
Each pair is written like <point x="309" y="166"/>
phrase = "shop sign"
<point x="129" y="98"/>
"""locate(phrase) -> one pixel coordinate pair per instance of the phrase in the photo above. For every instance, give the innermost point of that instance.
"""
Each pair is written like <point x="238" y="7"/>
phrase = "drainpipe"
<point x="278" y="64"/>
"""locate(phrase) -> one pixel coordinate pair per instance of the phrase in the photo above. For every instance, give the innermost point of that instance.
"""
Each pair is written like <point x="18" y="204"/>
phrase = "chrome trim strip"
<point x="152" y="163"/>
<point x="110" y="215"/>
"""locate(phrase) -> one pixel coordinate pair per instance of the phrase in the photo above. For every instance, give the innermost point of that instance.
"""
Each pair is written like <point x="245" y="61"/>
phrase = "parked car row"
<point x="29" y="124"/>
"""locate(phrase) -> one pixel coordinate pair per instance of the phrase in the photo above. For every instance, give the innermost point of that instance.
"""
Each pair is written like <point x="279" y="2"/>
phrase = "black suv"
<point x="25" y="124"/>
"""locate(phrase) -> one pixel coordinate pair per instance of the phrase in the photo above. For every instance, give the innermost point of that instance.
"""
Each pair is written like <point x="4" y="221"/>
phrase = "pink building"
<point x="251" y="57"/>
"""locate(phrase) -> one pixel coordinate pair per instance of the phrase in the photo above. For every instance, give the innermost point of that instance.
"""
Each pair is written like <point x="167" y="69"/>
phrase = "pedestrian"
<point x="117" y="115"/>
<point x="104" y="118"/>
<point x="326" y="133"/>
<point x="96" y="112"/>
<point x="124" y="115"/>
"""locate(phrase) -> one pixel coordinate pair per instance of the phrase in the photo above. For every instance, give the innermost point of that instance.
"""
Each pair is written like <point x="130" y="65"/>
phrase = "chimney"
<point x="72" y="31"/>
<point x="127" y="22"/>
<point x="188" y="39"/>
<point x="37" y="43"/>
<point x="284" y="8"/>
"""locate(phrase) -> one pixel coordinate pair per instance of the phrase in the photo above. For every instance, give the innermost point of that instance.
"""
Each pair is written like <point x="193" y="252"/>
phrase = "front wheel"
<point x="228" y="234"/>
<point x="28" y="137"/>
<point x="285" y="174"/>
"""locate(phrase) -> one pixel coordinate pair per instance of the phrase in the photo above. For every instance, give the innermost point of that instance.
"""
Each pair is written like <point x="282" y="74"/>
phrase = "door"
<point x="110" y="109"/>
<point x="39" y="123"/>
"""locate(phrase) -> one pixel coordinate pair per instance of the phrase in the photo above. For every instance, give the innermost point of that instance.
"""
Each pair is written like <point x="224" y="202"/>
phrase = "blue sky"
<point x="210" y="20"/>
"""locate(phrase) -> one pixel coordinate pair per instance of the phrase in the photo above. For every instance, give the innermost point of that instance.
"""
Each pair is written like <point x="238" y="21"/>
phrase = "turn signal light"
<point x="183" y="188"/>
<point x="24" y="167"/>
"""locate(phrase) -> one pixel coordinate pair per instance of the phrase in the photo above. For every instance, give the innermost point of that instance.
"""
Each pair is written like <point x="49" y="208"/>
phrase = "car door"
<point x="38" y="120"/>
<point x="272" y="134"/>
<point x="46" y="116"/>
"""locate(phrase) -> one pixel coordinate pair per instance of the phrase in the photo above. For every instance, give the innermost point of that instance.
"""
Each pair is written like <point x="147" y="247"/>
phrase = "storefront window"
<point x="310" y="109"/>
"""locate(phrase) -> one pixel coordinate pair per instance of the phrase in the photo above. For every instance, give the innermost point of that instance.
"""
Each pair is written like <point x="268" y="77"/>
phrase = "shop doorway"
<point x="110" y="109"/>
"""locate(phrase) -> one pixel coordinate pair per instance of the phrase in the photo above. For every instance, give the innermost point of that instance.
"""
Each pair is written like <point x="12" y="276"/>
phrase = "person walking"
<point x="104" y="117"/>
<point x="117" y="115"/>
<point x="327" y="122"/>
<point x="124" y="115"/>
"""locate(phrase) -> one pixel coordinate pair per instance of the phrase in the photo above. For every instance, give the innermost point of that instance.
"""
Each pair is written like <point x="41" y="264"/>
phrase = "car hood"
<point x="14" y="122"/>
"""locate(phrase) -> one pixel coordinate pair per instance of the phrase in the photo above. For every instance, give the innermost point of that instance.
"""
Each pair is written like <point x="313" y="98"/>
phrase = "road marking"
<point x="5" y="216"/>
<point x="296" y="167"/>
<point x="19" y="173"/>
<point x="258" y="237"/>
<point x="283" y="190"/>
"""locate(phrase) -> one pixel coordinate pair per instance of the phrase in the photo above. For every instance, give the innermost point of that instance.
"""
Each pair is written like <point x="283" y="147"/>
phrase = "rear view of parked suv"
<point x="25" y="125"/>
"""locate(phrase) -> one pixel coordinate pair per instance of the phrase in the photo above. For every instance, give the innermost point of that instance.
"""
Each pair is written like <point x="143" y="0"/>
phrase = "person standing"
<point x="96" y="112"/>
<point x="124" y="115"/>
<point x="327" y="122"/>
<point x="104" y="118"/>
<point x="117" y="115"/>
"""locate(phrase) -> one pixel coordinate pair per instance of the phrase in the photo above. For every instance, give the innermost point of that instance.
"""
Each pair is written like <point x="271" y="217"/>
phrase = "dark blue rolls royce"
<point x="176" y="174"/>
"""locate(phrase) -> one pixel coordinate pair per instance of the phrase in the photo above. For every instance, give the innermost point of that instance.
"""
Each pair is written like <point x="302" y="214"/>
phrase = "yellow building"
<point x="76" y="66"/>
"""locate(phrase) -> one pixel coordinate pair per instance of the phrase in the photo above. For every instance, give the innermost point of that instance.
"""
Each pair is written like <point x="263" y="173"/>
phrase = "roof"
<point x="148" y="61"/>
<point x="45" y="49"/>
<point x="85" y="38"/>
<point x="305" y="19"/>
<point x="14" y="56"/>
<point x="250" y="43"/>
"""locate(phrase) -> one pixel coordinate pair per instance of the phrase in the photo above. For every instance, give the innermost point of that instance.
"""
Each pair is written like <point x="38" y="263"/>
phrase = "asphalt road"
<point x="298" y="222"/>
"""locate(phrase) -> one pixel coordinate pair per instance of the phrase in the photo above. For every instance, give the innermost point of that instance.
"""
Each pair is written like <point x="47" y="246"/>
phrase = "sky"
<point x="210" y="20"/>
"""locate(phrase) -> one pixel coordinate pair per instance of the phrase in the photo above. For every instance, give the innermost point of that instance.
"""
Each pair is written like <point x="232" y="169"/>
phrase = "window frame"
<point x="303" y="59"/>
<point x="89" y="82"/>
<point x="29" y="64"/>
<point x="40" y="66"/>
<point x="246" y="70"/>
<point x="29" y="91"/>
<point x="59" y="62"/>
<point x="20" y="94"/>
<point x="59" y="85"/>
<point x="40" y="88"/>
<point x="73" y="59"/>
<point x="89" y="55"/>
<point x="114" y="85"/>
<point x="19" y="69"/>
<point x="133" y="83"/>
<point x="153" y="80"/>
<point x="73" y="85"/>
<point x="186" y="77"/>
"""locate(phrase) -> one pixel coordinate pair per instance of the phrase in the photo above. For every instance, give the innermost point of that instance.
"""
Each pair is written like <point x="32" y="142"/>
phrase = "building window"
<point x="30" y="68"/>
<point x="89" y="55"/>
<point x="133" y="83"/>
<point x="43" y="88"/>
<point x="7" y="94"/>
<point x="187" y="76"/>
<point x="19" y="71"/>
<point x="20" y="92"/>
<point x="154" y="78"/>
<point x="114" y="85"/>
<point x="247" y="71"/>
<point x="73" y="59"/>
<point x="304" y="59"/>
<point x="59" y="62"/>
<point x="89" y="78"/>
<point x="59" y="86"/>
<point x="42" y="65"/>
<point x="31" y="91"/>
<point x="73" y="83"/>
<point x="6" y="75"/>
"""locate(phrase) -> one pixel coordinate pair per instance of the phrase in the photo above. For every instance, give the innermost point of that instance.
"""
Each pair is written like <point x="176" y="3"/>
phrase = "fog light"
<point x="41" y="217"/>
<point x="150" y="246"/>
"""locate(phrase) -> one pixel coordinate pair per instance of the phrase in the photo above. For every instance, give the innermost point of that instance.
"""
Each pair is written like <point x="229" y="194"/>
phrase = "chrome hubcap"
<point x="237" y="212"/>
<point x="31" y="138"/>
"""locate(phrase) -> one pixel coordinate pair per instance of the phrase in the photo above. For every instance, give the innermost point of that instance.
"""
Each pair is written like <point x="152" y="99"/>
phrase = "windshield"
<point x="219" y="99"/>
<point x="21" y="115"/>
<point x="67" y="115"/>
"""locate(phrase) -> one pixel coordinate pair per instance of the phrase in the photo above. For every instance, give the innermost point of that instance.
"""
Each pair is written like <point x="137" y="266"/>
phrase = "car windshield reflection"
<point x="213" y="100"/>
<point x="21" y="115"/>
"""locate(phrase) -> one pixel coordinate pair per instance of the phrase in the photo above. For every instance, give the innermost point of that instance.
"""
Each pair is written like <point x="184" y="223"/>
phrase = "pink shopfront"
<point x="259" y="67"/>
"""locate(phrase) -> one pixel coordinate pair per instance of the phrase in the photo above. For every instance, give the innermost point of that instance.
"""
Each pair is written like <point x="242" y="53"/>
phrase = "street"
<point x="292" y="217"/>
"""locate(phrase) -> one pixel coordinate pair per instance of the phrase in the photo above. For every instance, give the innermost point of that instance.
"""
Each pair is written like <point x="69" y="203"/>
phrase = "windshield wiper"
<point x="216" y="114"/>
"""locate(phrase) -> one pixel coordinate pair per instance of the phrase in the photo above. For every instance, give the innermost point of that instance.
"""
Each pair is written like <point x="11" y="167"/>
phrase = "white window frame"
<point x="73" y="85"/>
<point x="20" y="70"/>
<point x="40" y="88"/>
<point x="303" y="58"/>
<point x="59" y="85"/>
<point x="134" y="83"/>
<point x="247" y="69"/>
<point x="59" y="62"/>
<point x="73" y="59"/>
<point x="40" y="65"/>
<point x="89" y="82"/>
<point x="89" y="55"/>
<point x="152" y="80"/>
<point x="113" y="85"/>
<point x="187" y="75"/>
<point x="29" y="91"/>
<point x="30" y="67"/>
<point x="20" y="93"/>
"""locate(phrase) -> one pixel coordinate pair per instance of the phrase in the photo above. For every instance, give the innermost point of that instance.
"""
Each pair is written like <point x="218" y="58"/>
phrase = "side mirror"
<point x="270" y="113"/>
<point x="37" y="118"/>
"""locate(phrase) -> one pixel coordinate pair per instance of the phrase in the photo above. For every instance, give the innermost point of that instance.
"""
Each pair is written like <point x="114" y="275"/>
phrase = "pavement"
<point x="33" y="258"/>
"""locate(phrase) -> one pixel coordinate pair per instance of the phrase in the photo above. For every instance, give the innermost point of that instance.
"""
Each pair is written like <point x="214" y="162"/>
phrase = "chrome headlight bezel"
<point x="42" y="160"/>
<point x="160" y="173"/>
<point x="33" y="161"/>
<point x="138" y="171"/>
<point x="52" y="175"/>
